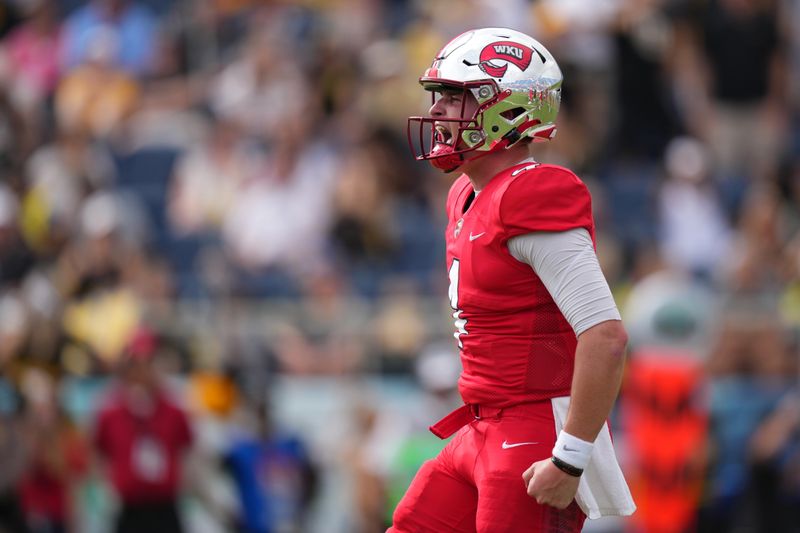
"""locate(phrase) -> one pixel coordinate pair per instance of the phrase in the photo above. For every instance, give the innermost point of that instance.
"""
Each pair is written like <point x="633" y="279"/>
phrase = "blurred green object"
<point x="96" y="505"/>
<point x="417" y="448"/>
<point x="674" y="320"/>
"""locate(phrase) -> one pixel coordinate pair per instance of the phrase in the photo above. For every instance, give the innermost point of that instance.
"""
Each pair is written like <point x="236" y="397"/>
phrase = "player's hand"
<point x="550" y="486"/>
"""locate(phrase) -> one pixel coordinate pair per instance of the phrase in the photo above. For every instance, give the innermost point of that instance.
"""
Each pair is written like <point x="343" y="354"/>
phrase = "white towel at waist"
<point x="602" y="490"/>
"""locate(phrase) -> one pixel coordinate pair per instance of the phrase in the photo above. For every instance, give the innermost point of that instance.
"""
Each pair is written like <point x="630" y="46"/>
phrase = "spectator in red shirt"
<point x="57" y="457"/>
<point x="143" y="434"/>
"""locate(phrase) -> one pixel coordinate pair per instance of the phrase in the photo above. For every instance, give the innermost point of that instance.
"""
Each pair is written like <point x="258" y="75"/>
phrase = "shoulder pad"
<point x="544" y="198"/>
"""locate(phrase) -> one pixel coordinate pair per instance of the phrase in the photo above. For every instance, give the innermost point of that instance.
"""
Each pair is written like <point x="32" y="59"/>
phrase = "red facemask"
<point x="443" y="156"/>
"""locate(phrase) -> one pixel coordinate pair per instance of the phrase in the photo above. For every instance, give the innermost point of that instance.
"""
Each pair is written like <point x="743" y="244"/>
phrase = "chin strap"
<point x="443" y="158"/>
<point x="446" y="161"/>
<point x="449" y="162"/>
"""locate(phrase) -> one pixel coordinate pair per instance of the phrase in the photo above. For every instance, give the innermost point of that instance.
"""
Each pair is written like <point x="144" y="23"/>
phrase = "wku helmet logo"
<point x="507" y="51"/>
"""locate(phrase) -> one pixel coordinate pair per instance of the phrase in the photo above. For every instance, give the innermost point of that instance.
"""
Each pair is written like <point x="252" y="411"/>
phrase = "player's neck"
<point x="482" y="170"/>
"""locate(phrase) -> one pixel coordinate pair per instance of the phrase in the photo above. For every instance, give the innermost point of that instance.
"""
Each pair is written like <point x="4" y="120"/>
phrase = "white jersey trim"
<point x="567" y="265"/>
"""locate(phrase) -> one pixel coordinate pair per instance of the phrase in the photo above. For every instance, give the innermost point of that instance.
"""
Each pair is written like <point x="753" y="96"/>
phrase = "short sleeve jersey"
<point x="516" y="346"/>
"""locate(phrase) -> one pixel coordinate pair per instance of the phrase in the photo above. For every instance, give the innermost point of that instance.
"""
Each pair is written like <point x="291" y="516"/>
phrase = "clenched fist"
<point x="550" y="486"/>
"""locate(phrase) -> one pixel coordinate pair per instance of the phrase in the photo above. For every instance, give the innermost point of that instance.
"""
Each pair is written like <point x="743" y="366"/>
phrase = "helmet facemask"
<point x="435" y="140"/>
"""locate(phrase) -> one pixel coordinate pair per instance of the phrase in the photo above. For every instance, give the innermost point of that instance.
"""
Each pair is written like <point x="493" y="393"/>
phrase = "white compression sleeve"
<point x="567" y="265"/>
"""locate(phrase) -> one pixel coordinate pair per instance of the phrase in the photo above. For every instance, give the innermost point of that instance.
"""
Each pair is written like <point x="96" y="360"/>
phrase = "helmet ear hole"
<point x="511" y="114"/>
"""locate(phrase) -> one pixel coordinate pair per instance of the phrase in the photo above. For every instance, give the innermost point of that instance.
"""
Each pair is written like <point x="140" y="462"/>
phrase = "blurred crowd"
<point x="207" y="206"/>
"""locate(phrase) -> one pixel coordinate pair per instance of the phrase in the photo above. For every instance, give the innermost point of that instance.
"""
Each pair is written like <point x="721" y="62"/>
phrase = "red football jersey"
<point x="516" y="346"/>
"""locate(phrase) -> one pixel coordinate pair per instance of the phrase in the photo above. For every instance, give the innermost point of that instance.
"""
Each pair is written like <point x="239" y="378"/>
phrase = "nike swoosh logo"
<point x="568" y="449"/>
<point x="473" y="237"/>
<point x="506" y="445"/>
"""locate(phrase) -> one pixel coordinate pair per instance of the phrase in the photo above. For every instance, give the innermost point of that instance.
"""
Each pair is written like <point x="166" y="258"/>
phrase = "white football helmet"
<point x="516" y="83"/>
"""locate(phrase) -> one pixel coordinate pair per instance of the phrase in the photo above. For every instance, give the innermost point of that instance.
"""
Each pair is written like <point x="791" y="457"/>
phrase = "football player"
<point x="541" y="341"/>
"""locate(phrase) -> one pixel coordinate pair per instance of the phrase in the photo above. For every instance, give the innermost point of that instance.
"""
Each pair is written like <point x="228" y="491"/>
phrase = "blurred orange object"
<point x="213" y="393"/>
<point x="666" y="424"/>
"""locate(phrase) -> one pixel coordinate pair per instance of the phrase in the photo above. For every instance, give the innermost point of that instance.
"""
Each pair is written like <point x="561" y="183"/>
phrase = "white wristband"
<point x="572" y="450"/>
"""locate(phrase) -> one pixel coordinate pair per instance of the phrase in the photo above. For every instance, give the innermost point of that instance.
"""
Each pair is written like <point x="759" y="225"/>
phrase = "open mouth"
<point x="443" y="135"/>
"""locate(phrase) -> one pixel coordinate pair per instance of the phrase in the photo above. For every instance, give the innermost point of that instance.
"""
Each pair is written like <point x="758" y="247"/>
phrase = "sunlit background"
<point x="220" y="192"/>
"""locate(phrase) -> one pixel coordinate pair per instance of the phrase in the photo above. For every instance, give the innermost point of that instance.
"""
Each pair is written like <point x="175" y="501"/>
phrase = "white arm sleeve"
<point x="567" y="265"/>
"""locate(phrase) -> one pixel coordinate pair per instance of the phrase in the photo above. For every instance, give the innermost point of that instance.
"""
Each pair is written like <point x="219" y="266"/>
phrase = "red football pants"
<point x="475" y="483"/>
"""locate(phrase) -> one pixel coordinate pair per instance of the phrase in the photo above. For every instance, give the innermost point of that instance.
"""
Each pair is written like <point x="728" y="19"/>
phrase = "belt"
<point x="461" y="417"/>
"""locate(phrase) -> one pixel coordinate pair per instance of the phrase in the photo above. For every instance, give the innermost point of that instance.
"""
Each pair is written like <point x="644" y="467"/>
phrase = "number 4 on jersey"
<point x="461" y="323"/>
